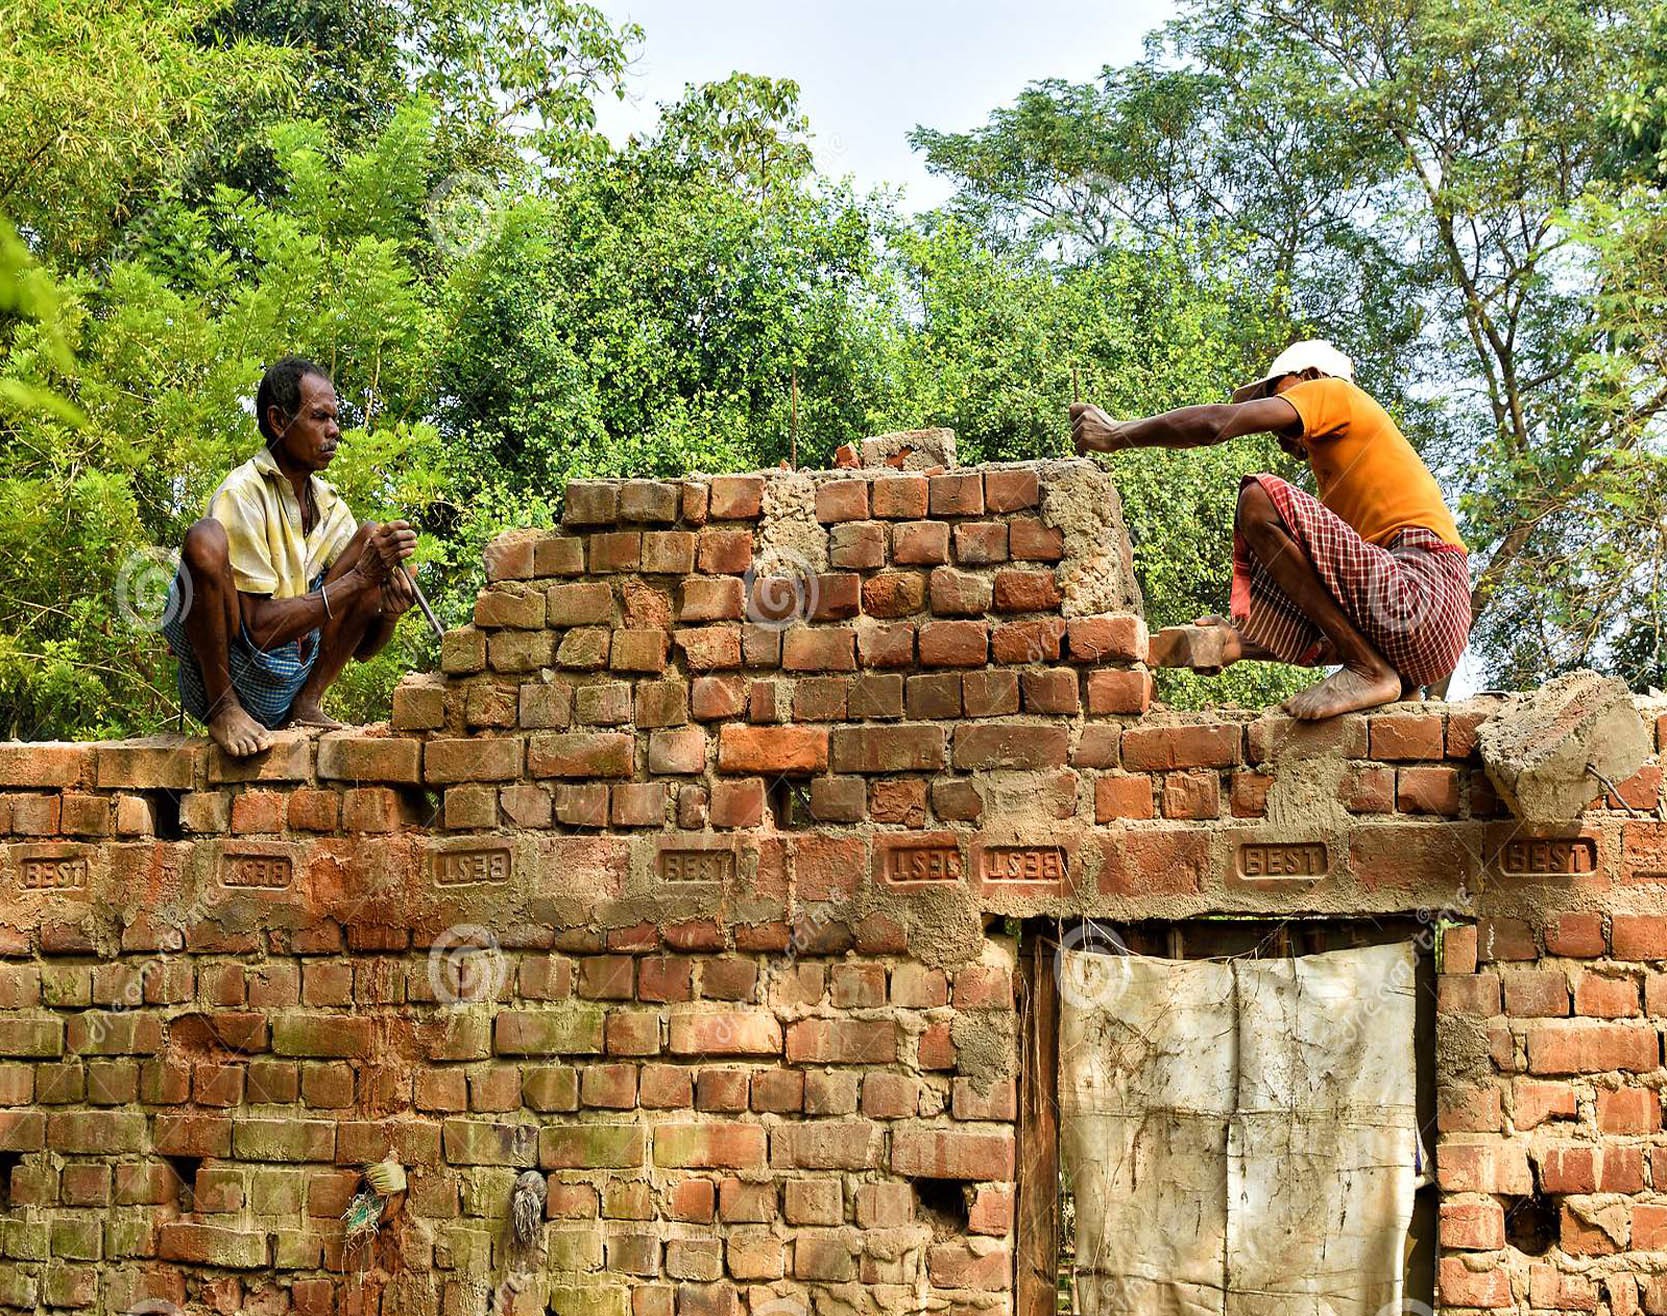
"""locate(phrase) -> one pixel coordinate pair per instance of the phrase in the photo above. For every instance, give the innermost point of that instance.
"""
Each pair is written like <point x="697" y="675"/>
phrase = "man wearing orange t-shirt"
<point x="1372" y="574"/>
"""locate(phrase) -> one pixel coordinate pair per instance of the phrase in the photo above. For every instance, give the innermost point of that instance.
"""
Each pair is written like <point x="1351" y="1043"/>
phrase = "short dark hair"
<point x="280" y="387"/>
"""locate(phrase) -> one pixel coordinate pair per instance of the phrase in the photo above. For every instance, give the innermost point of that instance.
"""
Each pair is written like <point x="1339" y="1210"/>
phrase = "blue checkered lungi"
<point x="266" y="680"/>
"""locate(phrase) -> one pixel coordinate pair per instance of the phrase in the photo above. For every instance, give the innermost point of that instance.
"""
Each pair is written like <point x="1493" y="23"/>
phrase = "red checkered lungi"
<point x="1409" y="597"/>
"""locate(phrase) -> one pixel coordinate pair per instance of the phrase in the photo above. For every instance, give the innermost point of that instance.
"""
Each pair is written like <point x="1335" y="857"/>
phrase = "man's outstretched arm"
<point x="1185" y="427"/>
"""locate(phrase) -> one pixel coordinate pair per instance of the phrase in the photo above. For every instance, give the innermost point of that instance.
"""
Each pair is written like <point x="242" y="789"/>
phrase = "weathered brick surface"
<point x="671" y="886"/>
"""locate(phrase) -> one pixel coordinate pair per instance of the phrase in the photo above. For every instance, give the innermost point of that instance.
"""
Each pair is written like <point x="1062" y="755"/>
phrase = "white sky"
<point x="869" y="71"/>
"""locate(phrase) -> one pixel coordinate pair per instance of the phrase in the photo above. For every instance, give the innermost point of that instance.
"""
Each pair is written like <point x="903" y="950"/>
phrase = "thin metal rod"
<point x="422" y="602"/>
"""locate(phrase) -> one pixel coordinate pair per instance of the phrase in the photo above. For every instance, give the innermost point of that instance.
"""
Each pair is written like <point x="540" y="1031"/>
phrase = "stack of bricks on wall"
<point x="694" y="882"/>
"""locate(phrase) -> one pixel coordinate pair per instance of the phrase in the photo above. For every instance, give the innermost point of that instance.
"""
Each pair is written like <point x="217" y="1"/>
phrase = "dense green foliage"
<point x="416" y="196"/>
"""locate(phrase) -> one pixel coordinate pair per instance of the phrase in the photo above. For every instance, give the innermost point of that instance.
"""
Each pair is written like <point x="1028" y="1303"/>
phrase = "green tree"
<point x="106" y="103"/>
<point x="1428" y="179"/>
<point x="167" y="347"/>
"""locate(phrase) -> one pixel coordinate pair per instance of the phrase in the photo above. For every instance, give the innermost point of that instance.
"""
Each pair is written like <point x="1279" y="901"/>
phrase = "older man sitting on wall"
<point x="1372" y="574"/>
<point x="278" y="586"/>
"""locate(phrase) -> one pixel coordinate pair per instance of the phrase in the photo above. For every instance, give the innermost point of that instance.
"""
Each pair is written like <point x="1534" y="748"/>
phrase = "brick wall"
<point x="696" y="880"/>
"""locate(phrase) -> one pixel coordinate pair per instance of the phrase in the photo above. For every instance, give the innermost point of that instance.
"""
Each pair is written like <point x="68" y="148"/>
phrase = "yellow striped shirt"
<point x="270" y="553"/>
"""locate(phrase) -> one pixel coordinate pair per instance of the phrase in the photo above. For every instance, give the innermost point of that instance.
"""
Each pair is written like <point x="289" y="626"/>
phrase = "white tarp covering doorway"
<point x="1241" y="1137"/>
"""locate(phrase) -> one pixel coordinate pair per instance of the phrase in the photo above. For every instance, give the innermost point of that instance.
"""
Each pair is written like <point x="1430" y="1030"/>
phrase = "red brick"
<point x="1536" y="994"/>
<point x="1120" y="638"/>
<point x="638" y="804"/>
<point x="1533" y="1103"/>
<point x="958" y="494"/>
<point x="1488" y="1288"/>
<point x="772" y="749"/>
<point x="1248" y="794"/>
<point x="579" y="754"/>
<point x="1469" y="1108"/>
<point x="1154" y="863"/>
<point x="894" y="594"/>
<point x="842" y="500"/>
<point x="738" y="803"/>
<point x="1396" y="737"/>
<point x="1472" y="1226"/>
<point x="842" y="1042"/>
<point x="724" y="1145"/>
<point x="857" y="546"/>
<point x="1505" y="939"/>
<point x="1011" y="745"/>
<point x="819" y="649"/>
<point x="710" y="648"/>
<point x="990" y="693"/>
<point x="880" y="645"/>
<point x="1579" y="1046"/>
<point x="827" y="867"/>
<point x="952" y="1154"/>
<point x="920" y="543"/>
<point x="1010" y="491"/>
<point x="956" y="593"/>
<point x="1028" y="540"/>
<point x="936" y="696"/>
<point x="735" y="497"/>
<point x="715" y="698"/>
<point x="954" y="644"/>
<point x="979" y="543"/>
<point x="1195" y="795"/>
<point x="477" y="759"/>
<point x="721" y="552"/>
<point x="1598" y="996"/>
<point x="1112" y="690"/>
<point x="1579" y="1237"/>
<point x="900" y="497"/>
<point x="1575" y="935"/>
<point x="729" y="1032"/>
<point x="908" y="748"/>
<point x="1639" y="936"/>
<point x="1122" y="796"/>
<point x="1629" y="1110"/>
<point x="835" y="596"/>
<point x="1147" y="749"/>
<point x="712" y="599"/>
<point x="1054" y="691"/>
<point x="1491" y="1166"/>
<point x="1428" y="790"/>
<point x="1022" y="642"/>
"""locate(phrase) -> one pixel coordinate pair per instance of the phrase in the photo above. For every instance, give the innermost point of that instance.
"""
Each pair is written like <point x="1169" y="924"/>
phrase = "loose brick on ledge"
<point x="590" y="502"/>
<point x="652" y="502"/>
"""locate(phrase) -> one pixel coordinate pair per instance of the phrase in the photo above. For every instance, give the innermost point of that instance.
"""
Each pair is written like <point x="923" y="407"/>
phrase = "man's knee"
<point x="1256" y="510"/>
<point x="206" y="550"/>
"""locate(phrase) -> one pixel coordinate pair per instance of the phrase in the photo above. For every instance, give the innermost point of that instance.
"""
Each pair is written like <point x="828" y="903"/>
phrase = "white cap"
<point x="1310" y="354"/>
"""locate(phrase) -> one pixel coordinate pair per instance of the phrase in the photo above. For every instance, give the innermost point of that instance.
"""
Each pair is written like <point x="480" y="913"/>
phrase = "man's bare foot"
<point x="237" y="733"/>
<point x="310" y="713"/>
<point x="1346" y="691"/>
